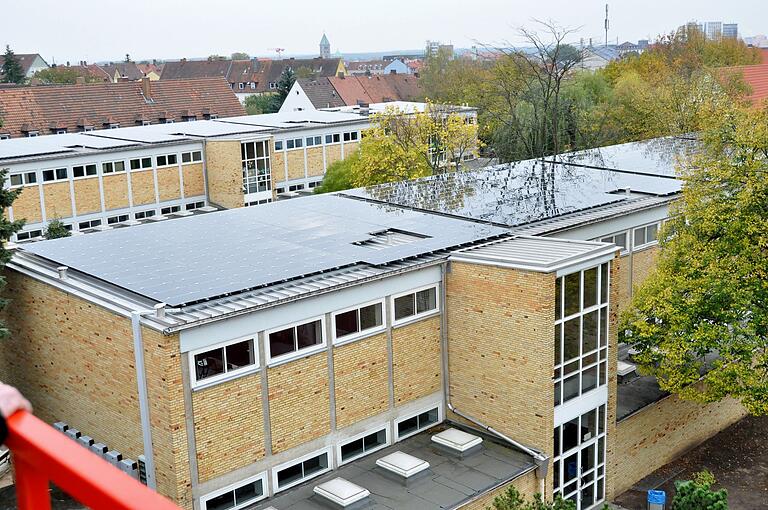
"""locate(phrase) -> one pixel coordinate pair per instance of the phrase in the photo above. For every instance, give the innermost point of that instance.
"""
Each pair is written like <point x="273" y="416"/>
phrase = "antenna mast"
<point x="607" y="24"/>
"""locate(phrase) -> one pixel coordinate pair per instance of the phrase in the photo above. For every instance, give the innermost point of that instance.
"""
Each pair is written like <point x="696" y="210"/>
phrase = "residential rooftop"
<point x="452" y="480"/>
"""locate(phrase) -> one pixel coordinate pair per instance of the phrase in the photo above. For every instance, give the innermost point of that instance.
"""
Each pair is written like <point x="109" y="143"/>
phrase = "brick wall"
<point x="194" y="183"/>
<point x="27" y="205"/>
<point x="660" y="433"/>
<point x="295" y="163"/>
<point x="87" y="195"/>
<point x="416" y="360"/>
<point x="225" y="173"/>
<point x="350" y="147"/>
<point x="332" y="153"/>
<point x="360" y="375"/>
<point x="115" y="191"/>
<point x="299" y="401"/>
<point x="168" y="185"/>
<point x="642" y="263"/>
<point x="277" y="163"/>
<point x="57" y="200"/>
<point x="526" y="484"/>
<point x="501" y="349"/>
<point x="143" y="187"/>
<point x="229" y="426"/>
<point x="315" y="165"/>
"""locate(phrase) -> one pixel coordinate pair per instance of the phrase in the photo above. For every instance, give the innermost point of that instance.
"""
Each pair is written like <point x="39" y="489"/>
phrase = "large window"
<point x="363" y="444"/>
<point x="581" y="332"/>
<point x="578" y="466"/>
<point x="295" y="472"/>
<point x="353" y="323"/>
<point x="415" y="304"/>
<point x="257" y="176"/>
<point x="296" y="339"/>
<point x="238" y="495"/>
<point x="223" y="361"/>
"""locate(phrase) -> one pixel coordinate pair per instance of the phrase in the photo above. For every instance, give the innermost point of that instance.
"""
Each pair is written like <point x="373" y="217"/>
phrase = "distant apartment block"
<point x="713" y="30"/>
<point x="433" y="48"/>
<point x="336" y="91"/>
<point x="730" y="30"/>
<point x="427" y="343"/>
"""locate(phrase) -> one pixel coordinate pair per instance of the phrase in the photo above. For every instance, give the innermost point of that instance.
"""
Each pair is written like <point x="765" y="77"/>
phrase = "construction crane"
<point x="279" y="51"/>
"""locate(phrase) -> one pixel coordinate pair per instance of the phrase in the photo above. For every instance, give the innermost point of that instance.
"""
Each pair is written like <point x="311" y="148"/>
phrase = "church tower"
<point x="325" y="47"/>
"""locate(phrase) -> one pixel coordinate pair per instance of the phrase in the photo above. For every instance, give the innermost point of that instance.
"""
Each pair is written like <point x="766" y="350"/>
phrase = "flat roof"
<point x="450" y="482"/>
<point x="519" y="193"/>
<point x="201" y="257"/>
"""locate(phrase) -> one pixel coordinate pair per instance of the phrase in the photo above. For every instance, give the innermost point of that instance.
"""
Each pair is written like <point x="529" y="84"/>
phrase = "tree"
<point x="512" y="500"/>
<point x="262" y="103"/>
<point x="284" y="84"/>
<point x="697" y="494"/>
<point x="11" y="69"/>
<point x="7" y="229"/>
<point x="63" y="75"/>
<point x="700" y="320"/>
<point x="240" y="55"/>
<point x="338" y="176"/>
<point x="56" y="229"/>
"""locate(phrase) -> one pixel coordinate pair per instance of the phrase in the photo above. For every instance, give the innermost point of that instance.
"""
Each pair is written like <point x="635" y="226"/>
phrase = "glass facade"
<point x="257" y="174"/>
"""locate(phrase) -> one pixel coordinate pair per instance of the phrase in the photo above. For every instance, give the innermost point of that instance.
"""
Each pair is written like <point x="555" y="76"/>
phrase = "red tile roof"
<point x="377" y="89"/>
<point x="756" y="76"/>
<point x="25" y="60"/>
<point x="39" y="108"/>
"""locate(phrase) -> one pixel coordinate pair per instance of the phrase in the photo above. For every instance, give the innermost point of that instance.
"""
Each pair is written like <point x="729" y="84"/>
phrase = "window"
<point x="83" y="225"/>
<point x="241" y="86"/>
<point x="252" y="85"/>
<point x="166" y="160"/>
<point x="29" y="234"/>
<point x="84" y="171"/>
<point x="279" y="145"/>
<point x="194" y="205"/>
<point x="170" y="209"/>
<point x="58" y="174"/>
<point x="581" y="332"/>
<point x="410" y="426"/>
<point x="350" y="136"/>
<point x="334" y="138"/>
<point x="117" y="219"/>
<point x="257" y="175"/>
<point x="222" y="361"/>
<point x="140" y="215"/>
<point x="363" y="445"/>
<point x="31" y="134"/>
<point x="295" y="187"/>
<point x="314" y="184"/>
<point x="645" y="235"/>
<point x="296" y="143"/>
<point x="303" y="337"/>
<point x="619" y="239"/>
<point x="415" y="304"/>
<point x="288" y="475"/>
<point x="61" y="131"/>
<point x="191" y="157"/>
<point x="141" y="163"/>
<point x="358" y="321"/>
<point x="237" y="496"/>
<point x="5" y="136"/>
<point x="314" y="140"/>
<point x="258" y="202"/>
<point x="113" y="167"/>
<point x="113" y="126"/>
<point x="23" y="179"/>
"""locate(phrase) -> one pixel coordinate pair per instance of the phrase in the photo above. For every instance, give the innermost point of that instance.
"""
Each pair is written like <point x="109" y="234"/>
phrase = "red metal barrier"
<point x="41" y="454"/>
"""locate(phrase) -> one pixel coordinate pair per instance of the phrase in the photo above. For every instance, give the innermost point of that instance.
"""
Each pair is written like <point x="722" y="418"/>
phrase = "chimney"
<point x="80" y="80"/>
<point x="146" y="88"/>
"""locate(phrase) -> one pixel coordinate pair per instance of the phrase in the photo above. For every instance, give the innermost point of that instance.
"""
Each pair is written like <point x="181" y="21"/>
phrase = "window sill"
<point x="202" y="385"/>
<point x="287" y="358"/>
<point x="415" y="318"/>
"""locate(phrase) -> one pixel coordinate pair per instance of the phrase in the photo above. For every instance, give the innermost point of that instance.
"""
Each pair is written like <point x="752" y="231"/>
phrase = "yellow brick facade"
<point x="277" y="165"/>
<point x="225" y="173"/>
<point x="143" y="187"/>
<point x="332" y="153"/>
<point x="27" y="205"/>
<point x="168" y="185"/>
<point x="350" y="148"/>
<point x="228" y="414"/>
<point x="58" y="200"/>
<point x="416" y="360"/>
<point x="527" y="485"/>
<point x="87" y="195"/>
<point x="315" y="164"/>
<point x="642" y="263"/>
<point x="194" y="182"/>
<point x="115" y="191"/>
<point x="360" y="376"/>
<point x="295" y="164"/>
<point x="299" y="399"/>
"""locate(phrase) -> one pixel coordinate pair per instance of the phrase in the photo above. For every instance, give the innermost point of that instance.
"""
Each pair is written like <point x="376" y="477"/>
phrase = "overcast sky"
<point x="96" y="30"/>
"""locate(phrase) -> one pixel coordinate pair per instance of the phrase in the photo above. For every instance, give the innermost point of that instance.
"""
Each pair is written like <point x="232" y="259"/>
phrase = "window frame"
<point x="141" y="167"/>
<point x="372" y="430"/>
<point x="299" y="460"/>
<point x="416" y="316"/>
<point x="85" y="175"/>
<point x="56" y="178"/>
<point x="278" y="145"/>
<point x="408" y="416"/>
<point x="234" y="486"/>
<point x="624" y="249"/>
<point x="167" y="157"/>
<point x="24" y="176"/>
<point x="272" y="361"/>
<point x="196" y="384"/>
<point x="360" y="333"/>
<point x="112" y="164"/>
<point x="646" y="244"/>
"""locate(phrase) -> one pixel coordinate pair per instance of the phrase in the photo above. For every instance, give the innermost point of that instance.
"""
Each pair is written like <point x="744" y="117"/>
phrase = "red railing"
<point x="41" y="454"/>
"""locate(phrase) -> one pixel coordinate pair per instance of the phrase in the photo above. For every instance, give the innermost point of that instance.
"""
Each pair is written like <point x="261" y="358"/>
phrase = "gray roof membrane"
<point x="450" y="481"/>
<point x="199" y="257"/>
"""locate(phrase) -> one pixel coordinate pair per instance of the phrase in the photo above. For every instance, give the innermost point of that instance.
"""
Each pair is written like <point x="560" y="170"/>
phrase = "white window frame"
<point x="113" y="171"/>
<point x="327" y="450"/>
<point x="192" y="159"/>
<point x="636" y="247"/>
<point x="226" y="375"/>
<point x="117" y="218"/>
<point x="24" y="179"/>
<point x="166" y="156"/>
<point x="281" y="147"/>
<point x="170" y="209"/>
<point x="373" y="430"/>
<point x="55" y="177"/>
<point x="298" y="354"/>
<point x="627" y="233"/>
<point x="360" y="334"/>
<point x="86" y="175"/>
<point x="141" y="168"/>
<point x="261" y="476"/>
<point x="408" y="416"/>
<point x="416" y="316"/>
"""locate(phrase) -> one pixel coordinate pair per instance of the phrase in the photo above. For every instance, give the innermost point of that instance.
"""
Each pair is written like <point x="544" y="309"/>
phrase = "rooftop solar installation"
<point x="518" y="193"/>
<point x="199" y="257"/>
<point x="658" y="156"/>
<point x="56" y="144"/>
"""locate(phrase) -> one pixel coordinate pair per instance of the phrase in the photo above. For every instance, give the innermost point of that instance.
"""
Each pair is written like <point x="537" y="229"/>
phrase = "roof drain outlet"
<point x="62" y="272"/>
